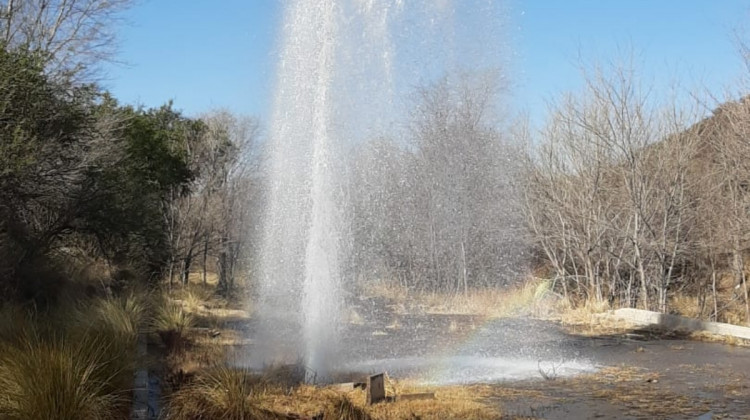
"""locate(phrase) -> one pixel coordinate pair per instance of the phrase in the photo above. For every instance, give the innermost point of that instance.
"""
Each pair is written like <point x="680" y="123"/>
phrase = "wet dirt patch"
<point x="638" y="375"/>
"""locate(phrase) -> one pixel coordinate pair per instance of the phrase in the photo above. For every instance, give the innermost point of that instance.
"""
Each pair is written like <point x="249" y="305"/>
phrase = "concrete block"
<point x="680" y="323"/>
<point x="348" y="386"/>
<point x="375" y="388"/>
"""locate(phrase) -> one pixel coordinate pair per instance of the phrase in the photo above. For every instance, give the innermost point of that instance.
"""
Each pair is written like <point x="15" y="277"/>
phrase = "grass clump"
<point x="171" y="322"/>
<point x="122" y="316"/>
<point x="341" y="407"/>
<point x="234" y="393"/>
<point x="222" y="393"/>
<point x="61" y="379"/>
<point x="72" y="362"/>
<point x="530" y="298"/>
<point x="196" y="297"/>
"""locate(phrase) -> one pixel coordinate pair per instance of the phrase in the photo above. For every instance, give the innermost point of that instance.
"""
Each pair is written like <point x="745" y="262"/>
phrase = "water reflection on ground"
<point x="606" y="376"/>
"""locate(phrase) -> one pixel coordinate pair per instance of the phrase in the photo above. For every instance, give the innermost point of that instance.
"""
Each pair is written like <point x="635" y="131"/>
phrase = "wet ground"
<point x="543" y="371"/>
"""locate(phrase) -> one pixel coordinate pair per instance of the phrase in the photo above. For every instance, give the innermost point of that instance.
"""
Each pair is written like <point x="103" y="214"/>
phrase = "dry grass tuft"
<point x="115" y="322"/>
<point x="59" y="379"/>
<point x="172" y="323"/>
<point x="688" y="306"/>
<point x="587" y="312"/>
<point x="453" y="402"/>
<point x="716" y="338"/>
<point x="123" y="316"/>
<point x="222" y="393"/>
<point x="74" y="362"/>
<point x="207" y="306"/>
<point x="533" y="298"/>
<point x="340" y="407"/>
<point x="238" y="394"/>
<point x="390" y="290"/>
<point x="192" y="301"/>
<point x="196" y="297"/>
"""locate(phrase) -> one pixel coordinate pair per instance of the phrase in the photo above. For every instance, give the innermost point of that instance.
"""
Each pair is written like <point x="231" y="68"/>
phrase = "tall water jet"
<point x="337" y="77"/>
<point x="300" y="281"/>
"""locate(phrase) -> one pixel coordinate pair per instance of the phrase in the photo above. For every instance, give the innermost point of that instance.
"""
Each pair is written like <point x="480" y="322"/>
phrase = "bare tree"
<point x="381" y="203"/>
<point x="729" y="206"/>
<point x="229" y="190"/>
<point x="71" y="34"/>
<point x="440" y="210"/>
<point x="608" y="192"/>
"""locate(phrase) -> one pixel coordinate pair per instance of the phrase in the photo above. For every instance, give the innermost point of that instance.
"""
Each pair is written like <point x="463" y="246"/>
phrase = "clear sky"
<point x="205" y="54"/>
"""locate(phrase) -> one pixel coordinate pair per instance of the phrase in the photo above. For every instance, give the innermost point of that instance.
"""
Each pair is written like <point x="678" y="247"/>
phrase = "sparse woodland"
<point x="94" y="190"/>
<point x="638" y="202"/>
<point x="87" y="183"/>
<point x="622" y="199"/>
<point x="104" y="207"/>
<point x="439" y="211"/>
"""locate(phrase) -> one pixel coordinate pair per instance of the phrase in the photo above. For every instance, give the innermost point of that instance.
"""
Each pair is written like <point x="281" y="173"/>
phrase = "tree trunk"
<point x="187" y="263"/>
<point x="629" y="290"/>
<point x="713" y="292"/>
<point x="739" y="272"/>
<point x="639" y="263"/>
<point x="743" y="279"/>
<point x="222" y="262"/>
<point x="205" y="260"/>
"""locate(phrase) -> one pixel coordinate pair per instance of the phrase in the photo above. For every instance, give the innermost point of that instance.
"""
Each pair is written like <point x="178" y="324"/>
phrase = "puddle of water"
<point x="462" y="370"/>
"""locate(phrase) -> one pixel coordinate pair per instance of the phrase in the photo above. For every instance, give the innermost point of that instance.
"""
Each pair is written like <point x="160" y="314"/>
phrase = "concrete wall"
<point x="680" y="323"/>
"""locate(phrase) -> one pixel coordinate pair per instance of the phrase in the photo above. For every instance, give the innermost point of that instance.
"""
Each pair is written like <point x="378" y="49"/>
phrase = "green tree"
<point x="131" y="207"/>
<point x="79" y="171"/>
<point x="46" y="131"/>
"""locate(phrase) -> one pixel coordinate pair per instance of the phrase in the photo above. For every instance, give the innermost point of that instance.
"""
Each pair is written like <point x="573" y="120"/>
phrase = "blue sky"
<point x="205" y="54"/>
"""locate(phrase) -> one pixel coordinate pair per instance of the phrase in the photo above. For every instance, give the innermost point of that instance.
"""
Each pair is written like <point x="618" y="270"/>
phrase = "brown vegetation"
<point x="631" y="205"/>
<point x="529" y="298"/>
<point x="72" y="362"/>
<point x="233" y="393"/>
<point x="204" y="386"/>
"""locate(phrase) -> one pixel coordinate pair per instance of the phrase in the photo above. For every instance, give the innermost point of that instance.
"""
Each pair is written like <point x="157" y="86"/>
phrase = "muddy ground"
<point x="539" y="368"/>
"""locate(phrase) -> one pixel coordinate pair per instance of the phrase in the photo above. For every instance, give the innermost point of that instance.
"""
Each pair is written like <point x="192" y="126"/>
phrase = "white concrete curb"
<point x="679" y="323"/>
